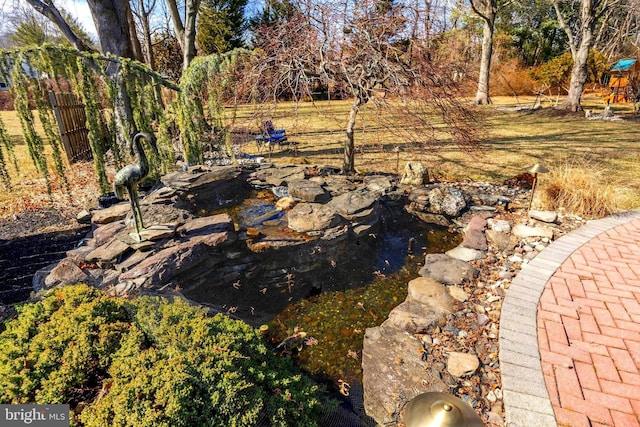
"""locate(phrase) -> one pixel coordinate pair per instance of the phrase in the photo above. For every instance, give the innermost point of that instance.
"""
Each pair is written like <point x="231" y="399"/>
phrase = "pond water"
<point x="331" y="290"/>
<point x="335" y="322"/>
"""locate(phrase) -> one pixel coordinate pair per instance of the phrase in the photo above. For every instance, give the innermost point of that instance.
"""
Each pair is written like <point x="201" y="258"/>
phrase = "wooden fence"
<point x="71" y="118"/>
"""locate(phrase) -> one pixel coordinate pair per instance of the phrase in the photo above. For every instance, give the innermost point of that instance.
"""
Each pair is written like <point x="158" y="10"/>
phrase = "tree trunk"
<point x="146" y="30"/>
<point x="148" y="45"/>
<point x="482" y="95"/>
<point x="178" y="26"/>
<point x="348" y="165"/>
<point x="189" y="50"/>
<point x="110" y="18"/>
<point x="578" y="78"/>
<point x="135" y="42"/>
<point x="580" y="54"/>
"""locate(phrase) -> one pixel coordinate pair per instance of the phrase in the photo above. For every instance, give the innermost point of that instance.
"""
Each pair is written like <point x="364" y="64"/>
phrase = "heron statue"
<point x="131" y="175"/>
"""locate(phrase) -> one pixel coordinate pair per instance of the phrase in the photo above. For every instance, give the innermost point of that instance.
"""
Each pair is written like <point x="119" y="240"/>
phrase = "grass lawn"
<point x="512" y="140"/>
<point x="607" y="150"/>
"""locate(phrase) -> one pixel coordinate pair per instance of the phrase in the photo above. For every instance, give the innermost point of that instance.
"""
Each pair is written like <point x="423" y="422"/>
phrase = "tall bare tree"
<point x="618" y="32"/>
<point x="142" y="10"/>
<point x="185" y="30"/>
<point x="589" y="12"/>
<point x="488" y="11"/>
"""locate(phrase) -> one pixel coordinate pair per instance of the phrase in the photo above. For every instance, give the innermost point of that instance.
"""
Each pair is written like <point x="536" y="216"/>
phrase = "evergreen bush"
<point x="149" y="362"/>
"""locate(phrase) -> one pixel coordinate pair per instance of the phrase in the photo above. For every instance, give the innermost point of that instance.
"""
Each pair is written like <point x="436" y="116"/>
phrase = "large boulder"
<point x="449" y="201"/>
<point x="306" y="217"/>
<point x="161" y="267"/>
<point x="415" y="173"/>
<point x="447" y="270"/>
<point x="393" y="367"/>
<point x="307" y="190"/>
<point x="394" y="372"/>
<point x="65" y="273"/>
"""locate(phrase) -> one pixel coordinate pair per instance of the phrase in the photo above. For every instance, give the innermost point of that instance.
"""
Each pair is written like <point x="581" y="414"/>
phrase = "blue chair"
<point x="270" y="135"/>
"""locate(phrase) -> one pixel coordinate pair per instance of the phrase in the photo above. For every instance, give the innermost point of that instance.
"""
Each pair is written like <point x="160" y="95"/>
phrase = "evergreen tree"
<point x="221" y="25"/>
<point x="272" y="12"/>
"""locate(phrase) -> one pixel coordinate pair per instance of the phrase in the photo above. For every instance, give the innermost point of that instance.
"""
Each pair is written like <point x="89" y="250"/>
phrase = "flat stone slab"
<point x="351" y="205"/>
<point x="108" y="252"/>
<point x="158" y="232"/>
<point x="523" y="231"/>
<point x="113" y="213"/>
<point x="466" y="254"/>
<point x="164" y="265"/>
<point x="207" y="225"/>
<point x="304" y="189"/>
<point x="544" y="216"/>
<point x="447" y="270"/>
<point x="107" y="232"/>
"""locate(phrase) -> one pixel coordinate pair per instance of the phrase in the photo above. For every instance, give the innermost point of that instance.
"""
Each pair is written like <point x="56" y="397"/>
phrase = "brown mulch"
<point x="36" y="231"/>
<point x="30" y="241"/>
<point x="36" y="222"/>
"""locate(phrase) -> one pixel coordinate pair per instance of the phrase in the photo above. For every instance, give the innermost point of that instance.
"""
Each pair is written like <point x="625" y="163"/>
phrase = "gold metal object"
<point x="535" y="170"/>
<point x="435" y="409"/>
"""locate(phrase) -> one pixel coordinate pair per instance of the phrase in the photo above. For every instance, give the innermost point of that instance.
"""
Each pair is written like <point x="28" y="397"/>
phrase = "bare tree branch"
<point x="48" y="9"/>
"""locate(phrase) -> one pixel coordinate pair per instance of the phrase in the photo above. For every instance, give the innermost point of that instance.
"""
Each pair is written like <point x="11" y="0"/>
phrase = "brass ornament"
<point x="435" y="409"/>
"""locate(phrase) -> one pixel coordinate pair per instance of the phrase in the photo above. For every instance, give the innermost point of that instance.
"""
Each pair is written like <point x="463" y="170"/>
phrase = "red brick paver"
<point x="589" y="332"/>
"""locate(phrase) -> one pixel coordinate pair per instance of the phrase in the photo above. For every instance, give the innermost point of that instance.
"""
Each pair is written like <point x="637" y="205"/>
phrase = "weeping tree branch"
<point x="100" y="57"/>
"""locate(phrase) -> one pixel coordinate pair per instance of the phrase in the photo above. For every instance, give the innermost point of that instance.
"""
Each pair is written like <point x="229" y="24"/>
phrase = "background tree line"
<point x="522" y="34"/>
<point x="426" y="54"/>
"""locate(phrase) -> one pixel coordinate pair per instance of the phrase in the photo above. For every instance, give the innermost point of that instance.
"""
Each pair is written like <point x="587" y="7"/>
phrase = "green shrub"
<point x="557" y="71"/>
<point x="148" y="362"/>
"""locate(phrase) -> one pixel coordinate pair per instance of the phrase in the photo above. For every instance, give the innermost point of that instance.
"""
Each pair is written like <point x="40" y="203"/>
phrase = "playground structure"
<point x="624" y="82"/>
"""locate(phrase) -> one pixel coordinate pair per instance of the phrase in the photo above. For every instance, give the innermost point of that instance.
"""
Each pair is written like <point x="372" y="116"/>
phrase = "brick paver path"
<point x="588" y="324"/>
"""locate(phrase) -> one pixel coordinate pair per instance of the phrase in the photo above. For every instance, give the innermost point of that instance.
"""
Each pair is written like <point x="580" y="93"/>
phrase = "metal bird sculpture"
<point x="131" y="175"/>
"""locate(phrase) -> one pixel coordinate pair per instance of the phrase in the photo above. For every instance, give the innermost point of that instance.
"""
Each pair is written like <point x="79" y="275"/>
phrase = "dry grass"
<point x="513" y="141"/>
<point x="581" y="189"/>
<point x="29" y="190"/>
